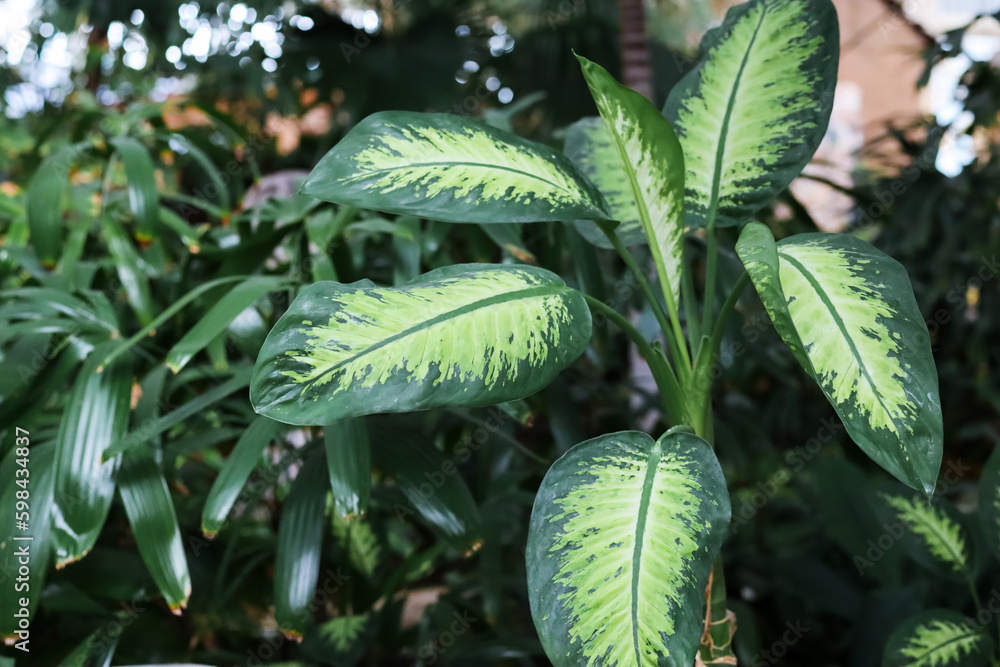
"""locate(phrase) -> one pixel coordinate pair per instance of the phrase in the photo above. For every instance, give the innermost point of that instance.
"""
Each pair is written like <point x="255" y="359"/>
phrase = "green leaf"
<point x="150" y="512"/>
<point x="45" y="216"/>
<point x="95" y="417"/>
<point x="143" y="197"/>
<point x="430" y="482"/>
<point x="235" y="472"/>
<point x="300" y="540"/>
<point x="342" y="631"/>
<point x="358" y="538"/>
<point x="507" y="235"/>
<point x="753" y="111"/>
<point x="40" y="485"/>
<point x="220" y="315"/>
<point x="465" y="335"/>
<point x="451" y="168"/>
<point x="590" y="147"/>
<point x="349" y="459"/>
<point x="651" y="156"/>
<point x="130" y="272"/>
<point x="938" y="539"/>
<point x="848" y="310"/>
<point x="989" y="502"/>
<point x="622" y="538"/>
<point x="937" y="638"/>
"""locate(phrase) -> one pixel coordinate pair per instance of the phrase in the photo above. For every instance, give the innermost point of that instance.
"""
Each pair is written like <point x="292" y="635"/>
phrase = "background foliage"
<point x="435" y="571"/>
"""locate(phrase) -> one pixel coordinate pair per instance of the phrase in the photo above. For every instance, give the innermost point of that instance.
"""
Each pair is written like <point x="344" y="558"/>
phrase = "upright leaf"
<point x="937" y="638"/>
<point x="150" y="512"/>
<point x="45" y="193"/>
<point x="848" y="309"/>
<point x="143" y="195"/>
<point x="300" y="540"/>
<point x="95" y="417"/>
<point x="590" y="147"/>
<point x="349" y="459"/>
<point x="465" y="335"/>
<point x="130" y="272"/>
<point x="651" y="157"/>
<point x="233" y="476"/>
<point x="753" y="111"/>
<point x="450" y="168"/>
<point x="622" y="538"/>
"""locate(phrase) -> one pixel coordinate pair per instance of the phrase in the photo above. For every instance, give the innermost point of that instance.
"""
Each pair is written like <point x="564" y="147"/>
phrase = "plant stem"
<point x="672" y="328"/>
<point x="719" y="328"/>
<point x="690" y="303"/>
<point x="663" y="374"/>
<point x="711" y="267"/>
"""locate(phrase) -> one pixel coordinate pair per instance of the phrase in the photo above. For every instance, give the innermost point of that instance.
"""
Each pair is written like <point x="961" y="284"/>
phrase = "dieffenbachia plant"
<point x="623" y="551"/>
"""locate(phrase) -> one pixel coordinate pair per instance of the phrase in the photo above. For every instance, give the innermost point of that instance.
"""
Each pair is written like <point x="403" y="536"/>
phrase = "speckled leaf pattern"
<point x="851" y="309"/>
<point x="590" y="147"/>
<point x="753" y="111"/>
<point x="650" y="154"/>
<point x="447" y="167"/>
<point x="937" y="638"/>
<point x="939" y="540"/>
<point x="466" y="335"/>
<point x="622" y="538"/>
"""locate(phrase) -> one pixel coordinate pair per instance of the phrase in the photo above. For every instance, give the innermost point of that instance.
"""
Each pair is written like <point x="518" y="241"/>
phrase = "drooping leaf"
<point x="848" y="309"/>
<point x="143" y="195"/>
<point x="937" y="638"/>
<point x="651" y="157"/>
<point x="234" y="474"/>
<point x="432" y="488"/>
<point x="751" y="114"/>
<point x="44" y="208"/>
<point x="465" y="335"/>
<point x="151" y="513"/>
<point x="95" y="417"/>
<point x="622" y="538"/>
<point x="938" y="539"/>
<point x="219" y="316"/>
<point x="450" y="168"/>
<point x="300" y="540"/>
<point x="590" y="147"/>
<point x="349" y="459"/>
<point x="989" y="502"/>
<point x="15" y="538"/>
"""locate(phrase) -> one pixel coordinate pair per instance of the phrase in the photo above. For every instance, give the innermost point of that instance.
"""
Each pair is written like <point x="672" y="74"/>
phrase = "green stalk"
<point x="690" y="303"/>
<point x="710" y="270"/>
<point x="671" y="328"/>
<point x="663" y="374"/>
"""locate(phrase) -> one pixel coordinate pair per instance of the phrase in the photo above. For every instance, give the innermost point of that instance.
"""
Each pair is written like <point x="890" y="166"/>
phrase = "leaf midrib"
<point x="939" y="647"/>
<point x="505" y="297"/>
<point x="798" y="266"/>
<point x="957" y="558"/>
<point x="647" y="491"/>
<point x="724" y="131"/>
<point x="461" y="163"/>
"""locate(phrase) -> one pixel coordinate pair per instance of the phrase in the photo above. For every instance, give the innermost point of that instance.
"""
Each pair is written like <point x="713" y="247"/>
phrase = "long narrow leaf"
<point x="300" y="540"/>
<point x="348" y="456"/>
<point x="142" y="191"/>
<point x="150" y="511"/>
<point x="214" y="322"/>
<point x="246" y="455"/>
<point x="130" y="272"/>
<point x="95" y="417"/>
<point x="45" y="192"/>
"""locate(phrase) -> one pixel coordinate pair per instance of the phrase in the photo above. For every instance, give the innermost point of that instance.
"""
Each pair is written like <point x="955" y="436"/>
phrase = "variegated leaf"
<point x="753" y="111"/>
<point x="848" y="313"/>
<point x="622" y="538"/>
<point x="446" y="167"/>
<point x="465" y="335"/>
<point x="343" y="631"/>
<point x="651" y="157"/>
<point x="590" y="147"/>
<point x="989" y="502"/>
<point x="937" y="539"/>
<point x="937" y="638"/>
